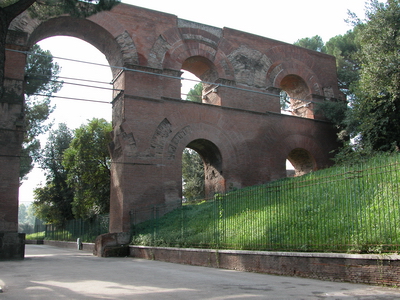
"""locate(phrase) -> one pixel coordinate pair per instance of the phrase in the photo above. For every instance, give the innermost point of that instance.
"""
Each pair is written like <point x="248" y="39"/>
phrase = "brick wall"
<point x="355" y="268"/>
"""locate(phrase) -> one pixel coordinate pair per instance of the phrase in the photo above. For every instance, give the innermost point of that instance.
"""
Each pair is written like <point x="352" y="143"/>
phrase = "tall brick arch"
<point x="238" y="128"/>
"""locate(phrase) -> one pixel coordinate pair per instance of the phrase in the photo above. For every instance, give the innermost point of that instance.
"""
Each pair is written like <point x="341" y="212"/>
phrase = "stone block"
<point x="119" y="251"/>
<point x="112" y="244"/>
<point x="12" y="245"/>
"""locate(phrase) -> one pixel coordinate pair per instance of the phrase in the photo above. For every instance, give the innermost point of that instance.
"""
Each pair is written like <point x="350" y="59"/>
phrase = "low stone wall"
<point x="34" y="242"/>
<point x="71" y="245"/>
<point x="356" y="268"/>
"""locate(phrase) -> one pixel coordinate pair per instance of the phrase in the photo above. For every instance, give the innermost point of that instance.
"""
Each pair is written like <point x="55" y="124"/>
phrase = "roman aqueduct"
<point x="238" y="129"/>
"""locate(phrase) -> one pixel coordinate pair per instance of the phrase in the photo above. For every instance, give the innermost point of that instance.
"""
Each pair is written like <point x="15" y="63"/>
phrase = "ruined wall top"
<point x="134" y="36"/>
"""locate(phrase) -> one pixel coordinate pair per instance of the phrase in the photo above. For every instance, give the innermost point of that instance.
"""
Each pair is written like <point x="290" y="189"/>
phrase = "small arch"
<point x="205" y="70"/>
<point x="214" y="181"/>
<point x="202" y="67"/>
<point x="192" y="175"/>
<point x="177" y="45"/>
<point x="290" y="170"/>
<point x="284" y="100"/>
<point x="297" y="92"/>
<point x="302" y="161"/>
<point x="191" y="87"/>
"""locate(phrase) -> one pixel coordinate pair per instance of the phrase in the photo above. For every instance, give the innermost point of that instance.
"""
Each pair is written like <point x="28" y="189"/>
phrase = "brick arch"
<point x="189" y="125"/>
<point x="302" y="161"/>
<point x="302" y="144"/>
<point x="283" y="68"/>
<point x="115" y="43"/>
<point x="209" y="139"/>
<point x="201" y="67"/>
<point x="299" y="81"/>
<point x="290" y="52"/>
<point x="292" y="60"/>
<point x="176" y="45"/>
<point x="213" y="171"/>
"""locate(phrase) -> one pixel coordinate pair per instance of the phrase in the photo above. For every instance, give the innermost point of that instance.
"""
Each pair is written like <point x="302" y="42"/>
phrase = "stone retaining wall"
<point x="71" y="245"/>
<point x="356" y="268"/>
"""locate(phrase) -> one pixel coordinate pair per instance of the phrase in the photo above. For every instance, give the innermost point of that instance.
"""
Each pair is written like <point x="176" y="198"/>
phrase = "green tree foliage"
<point x="284" y="100"/>
<point x="26" y="214"/>
<point x="22" y="213"/>
<point x="192" y="175"/>
<point x="345" y="48"/>
<point x="41" y="78"/>
<point x="41" y="73"/>
<point x="87" y="161"/>
<point x="195" y="94"/>
<point x="368" y="63"/>
<point x="314" y="43"/>
<point x="53" y="200"/>
<point x="376" y="108"/>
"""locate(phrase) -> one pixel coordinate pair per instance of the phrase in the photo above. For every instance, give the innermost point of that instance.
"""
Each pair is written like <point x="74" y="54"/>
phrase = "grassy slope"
<point x="338" y="209"/>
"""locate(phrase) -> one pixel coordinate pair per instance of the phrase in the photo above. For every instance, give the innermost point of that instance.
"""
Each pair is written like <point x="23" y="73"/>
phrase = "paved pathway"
<point x="56" y="273"/>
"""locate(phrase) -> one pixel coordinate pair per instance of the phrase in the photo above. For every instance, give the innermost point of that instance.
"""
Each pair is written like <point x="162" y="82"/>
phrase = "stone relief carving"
<point x="156" y="56"/>
<point x="128" y="48"/>
<point x="250" y="65"/>
<point x="328" y="93"/>
<point x="176" y="140"/>
<point x="159" y="138"/>
<point x="129" y="146"/>
<point x="127" y="143"/>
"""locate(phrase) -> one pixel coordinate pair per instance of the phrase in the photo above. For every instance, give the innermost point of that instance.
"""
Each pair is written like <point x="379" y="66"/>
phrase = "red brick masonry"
<point x="238" y="129"/>
<point x="356" y="268"/>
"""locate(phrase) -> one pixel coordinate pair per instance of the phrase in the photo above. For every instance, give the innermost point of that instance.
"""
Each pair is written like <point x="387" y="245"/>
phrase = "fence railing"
<point x="343" y="209"/>
<point x="86" y="230"/>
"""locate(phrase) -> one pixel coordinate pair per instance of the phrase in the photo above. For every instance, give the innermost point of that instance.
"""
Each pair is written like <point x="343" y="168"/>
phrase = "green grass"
<point x="36" y="236"/>
<point x="342" y="209"/>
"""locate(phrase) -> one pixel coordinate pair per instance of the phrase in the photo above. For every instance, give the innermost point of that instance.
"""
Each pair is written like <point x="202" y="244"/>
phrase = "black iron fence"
<point x="343" y="209"/>
<point x="86" y="230"/>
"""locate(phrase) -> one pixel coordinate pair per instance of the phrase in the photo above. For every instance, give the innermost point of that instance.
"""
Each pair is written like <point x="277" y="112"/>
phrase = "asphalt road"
<point x="57" y="273"/>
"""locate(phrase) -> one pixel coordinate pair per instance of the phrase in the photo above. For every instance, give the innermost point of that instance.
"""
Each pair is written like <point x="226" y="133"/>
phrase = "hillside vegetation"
<point x="342" y="209"/>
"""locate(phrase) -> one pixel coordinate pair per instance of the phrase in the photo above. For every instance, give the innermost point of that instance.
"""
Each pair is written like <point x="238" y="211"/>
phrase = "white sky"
<point x="286" y="21"/>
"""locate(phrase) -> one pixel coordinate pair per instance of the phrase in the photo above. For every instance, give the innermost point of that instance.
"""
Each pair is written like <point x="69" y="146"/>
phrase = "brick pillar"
<point x="138" y="170"/>
<point x="12" y="244"/>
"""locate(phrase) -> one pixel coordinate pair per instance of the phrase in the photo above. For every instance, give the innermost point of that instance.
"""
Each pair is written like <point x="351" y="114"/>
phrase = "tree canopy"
<point x="41" y="78"/>
<point x="368" y="64"/>
<point x="77" y="167"/>
<point x="87" y="162"/>
<point x="192" y="175"/>
<point x="376" y="107"/>
<point x="53" y="200"/>
<point x="195" y="93"/>
<point x="345" y="48"/>
<point x="314" y="43"/>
